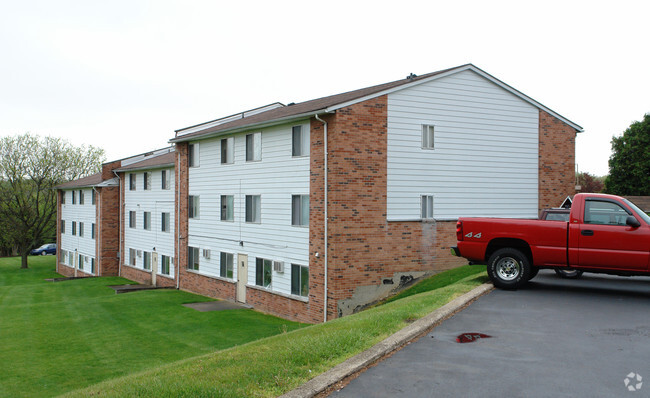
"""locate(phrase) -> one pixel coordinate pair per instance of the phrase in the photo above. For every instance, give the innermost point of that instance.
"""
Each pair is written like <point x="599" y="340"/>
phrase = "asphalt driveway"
<point x="555" y="338"/>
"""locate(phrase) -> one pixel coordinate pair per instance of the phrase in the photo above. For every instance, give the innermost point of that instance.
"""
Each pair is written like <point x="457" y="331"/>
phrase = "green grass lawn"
<point x="275" y="365"/>
<point x="60" y="336"/>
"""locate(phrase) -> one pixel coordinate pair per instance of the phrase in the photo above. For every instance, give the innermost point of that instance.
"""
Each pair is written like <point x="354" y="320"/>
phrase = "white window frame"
<point x="133" y="223"/>
<point x="227" y="148"/>
<point x="165" y="218"/>
<point x="428" y="136"/>
<point x="299" y="141"/>
<point x="146" y="217"/>
<point x="165" y="265"/>
<point x="226" y="268"/>
<point x="193" y="155"/>
<point x="132" y="257"/>
<point x="228" y="208"/>
<point x="301" y="269"/>
<point x="253" y="209"/>
<point x="81" y="229"/>
<point x="193" y="258"/>
<point x="300" y="210"/>
<point x="254" y="147"/>
<point x="146" y="183"/>
<point x="133" y="180"/>
<point x="194" y="207"/>
<point x="81" y="197"/>
<point x="426" y="207"/>
<point x="146" y="261"/>
<point x="165" y="179"/>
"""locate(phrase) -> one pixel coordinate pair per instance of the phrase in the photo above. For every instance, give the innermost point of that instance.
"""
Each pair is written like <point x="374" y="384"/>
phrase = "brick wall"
<point x="108" y="231"/>
<point x="144" y="277"/>
<point x="365" y="251"/>
<point x="556" y="161"/>
<point x="59" y="266"/>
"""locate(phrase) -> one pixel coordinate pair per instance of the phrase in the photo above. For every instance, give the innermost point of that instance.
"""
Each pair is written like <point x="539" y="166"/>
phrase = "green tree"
<point x="30" y="168"/>
<point x="629" y="165"/>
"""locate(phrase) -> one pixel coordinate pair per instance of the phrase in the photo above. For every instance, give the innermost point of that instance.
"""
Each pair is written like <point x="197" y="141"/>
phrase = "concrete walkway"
<point x="134" y="288"/>
<point x="393" y="343"/>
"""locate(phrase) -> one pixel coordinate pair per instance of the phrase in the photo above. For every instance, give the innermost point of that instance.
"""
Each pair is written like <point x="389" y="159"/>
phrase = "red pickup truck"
<point x="604" y="234"/>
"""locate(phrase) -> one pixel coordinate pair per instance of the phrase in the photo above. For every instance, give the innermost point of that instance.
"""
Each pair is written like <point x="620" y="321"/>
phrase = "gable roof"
<point x="83" y="182"/>
<point x="331" y="103"/>
<point x="154" y="162"/>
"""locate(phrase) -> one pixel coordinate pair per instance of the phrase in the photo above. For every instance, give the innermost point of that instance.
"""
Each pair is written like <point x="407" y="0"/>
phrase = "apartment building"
<point x="314" y="210"/>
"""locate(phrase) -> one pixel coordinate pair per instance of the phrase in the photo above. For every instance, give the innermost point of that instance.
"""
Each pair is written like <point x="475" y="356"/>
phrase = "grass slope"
<point x="62" y="336"/>
<point x="275" y="365"/>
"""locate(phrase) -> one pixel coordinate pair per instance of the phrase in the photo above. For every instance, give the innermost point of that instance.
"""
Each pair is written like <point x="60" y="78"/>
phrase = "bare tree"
<point x="30" y="168"/>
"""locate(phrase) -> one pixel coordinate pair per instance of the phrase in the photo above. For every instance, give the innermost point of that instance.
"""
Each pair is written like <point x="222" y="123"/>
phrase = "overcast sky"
<point x="123" y="75"/>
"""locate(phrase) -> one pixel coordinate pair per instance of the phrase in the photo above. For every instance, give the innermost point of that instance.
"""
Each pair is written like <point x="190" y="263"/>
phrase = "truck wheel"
<point x="568" y="274"/>
<point x="508" y="269"/>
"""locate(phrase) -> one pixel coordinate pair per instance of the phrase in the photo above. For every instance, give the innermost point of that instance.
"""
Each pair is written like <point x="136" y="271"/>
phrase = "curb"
<point x="392" y="343"/>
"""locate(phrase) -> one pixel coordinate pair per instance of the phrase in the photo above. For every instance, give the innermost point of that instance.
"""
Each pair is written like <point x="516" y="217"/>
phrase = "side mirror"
<point x="632" y="222"/>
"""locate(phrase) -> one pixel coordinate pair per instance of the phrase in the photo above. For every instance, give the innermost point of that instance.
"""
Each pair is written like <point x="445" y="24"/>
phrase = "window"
<point x="164" y="222"/>
<point x="263" y="272"/>
<point x="71" y="259"/>
<point x="62" y="226"/>
<point x="81" y="197"/>
<point x="227" y="150"/>
<point x="62" y="256"/>
<point x="146" y="180"/>
<point x="74" y="198"/>
<point x="92" y="231"/>
<point x="426" y="204"/>
<point x="147" y="220"/>
<point x="131" y="219"/>
<point x="93" y="198"/>
<point x="226" y="265"/>
<point x="253" y="147"/>
<point x="299" y="141"/>
<point x="74" y="228"/>
<point x="164" y="181"/>
<point x="605" y="213"/>
<point x="81" y="229"/>
<point x="300" y="210"/>
<point x="147" y="260"/>
<point x="193" y="258"/>
<point x="62" y="197"/>
<point x="427" y="136"/>
<point x="80" y="264"/>
<point x="132" y="181"/>
<point x="92" y="265"/>
<point x="299" y="280"/>
<point x="164" y="264"/>
<point x="253" y="208"/>
<point x="132" y="256"/>
<point x="194" y="155"/>
<point x="227" y="207"/>
<point x="194" y="204"/>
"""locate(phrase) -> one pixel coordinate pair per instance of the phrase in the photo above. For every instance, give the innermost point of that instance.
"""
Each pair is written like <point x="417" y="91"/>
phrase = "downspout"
<point x="326" y="217"/>
<point x="98" y="236"/>
<point x="120" y="224"/>
<point x="177" y="210"/>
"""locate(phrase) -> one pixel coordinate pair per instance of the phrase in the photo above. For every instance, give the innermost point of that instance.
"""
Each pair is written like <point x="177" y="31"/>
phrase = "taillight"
<point x="459" y="231"/>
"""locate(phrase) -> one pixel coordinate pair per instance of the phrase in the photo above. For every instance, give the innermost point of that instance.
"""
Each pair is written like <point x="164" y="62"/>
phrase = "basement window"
<point x="426" y="204"/>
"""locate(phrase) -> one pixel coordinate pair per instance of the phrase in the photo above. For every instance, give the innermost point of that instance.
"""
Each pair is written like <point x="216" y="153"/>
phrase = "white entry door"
<point x="154" y="267"/>
<point x="242" y="277"/>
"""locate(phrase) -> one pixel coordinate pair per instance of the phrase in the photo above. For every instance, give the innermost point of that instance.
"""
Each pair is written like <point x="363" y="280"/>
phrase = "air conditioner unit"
<point x="139" y="253"/>
<point x="278" y="266"/>
<point x="206" y="253"/>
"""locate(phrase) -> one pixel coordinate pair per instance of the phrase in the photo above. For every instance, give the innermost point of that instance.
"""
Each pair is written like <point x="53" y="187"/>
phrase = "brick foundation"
<point x="144" y="277"/>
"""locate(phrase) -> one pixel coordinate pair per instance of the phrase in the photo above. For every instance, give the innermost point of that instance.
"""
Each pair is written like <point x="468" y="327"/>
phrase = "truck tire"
<point x="568" y="274"/>
<point x="509" y="269"/>
<point x="533" y="272"/>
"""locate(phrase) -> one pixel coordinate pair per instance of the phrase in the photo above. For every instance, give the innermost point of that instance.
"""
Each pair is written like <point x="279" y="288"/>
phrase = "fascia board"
<point x="259" y="125"/>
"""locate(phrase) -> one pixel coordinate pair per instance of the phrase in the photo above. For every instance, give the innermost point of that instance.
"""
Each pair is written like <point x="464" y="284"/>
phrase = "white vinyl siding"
<point x="82" y="243"/>
<point x="148" y="207"/>
<point x="275" y="179"/>
<point x="485" y="161"/>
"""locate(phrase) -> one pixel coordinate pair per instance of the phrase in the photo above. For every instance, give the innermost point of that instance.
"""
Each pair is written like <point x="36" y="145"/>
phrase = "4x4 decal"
<point x="471" y="235"/>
